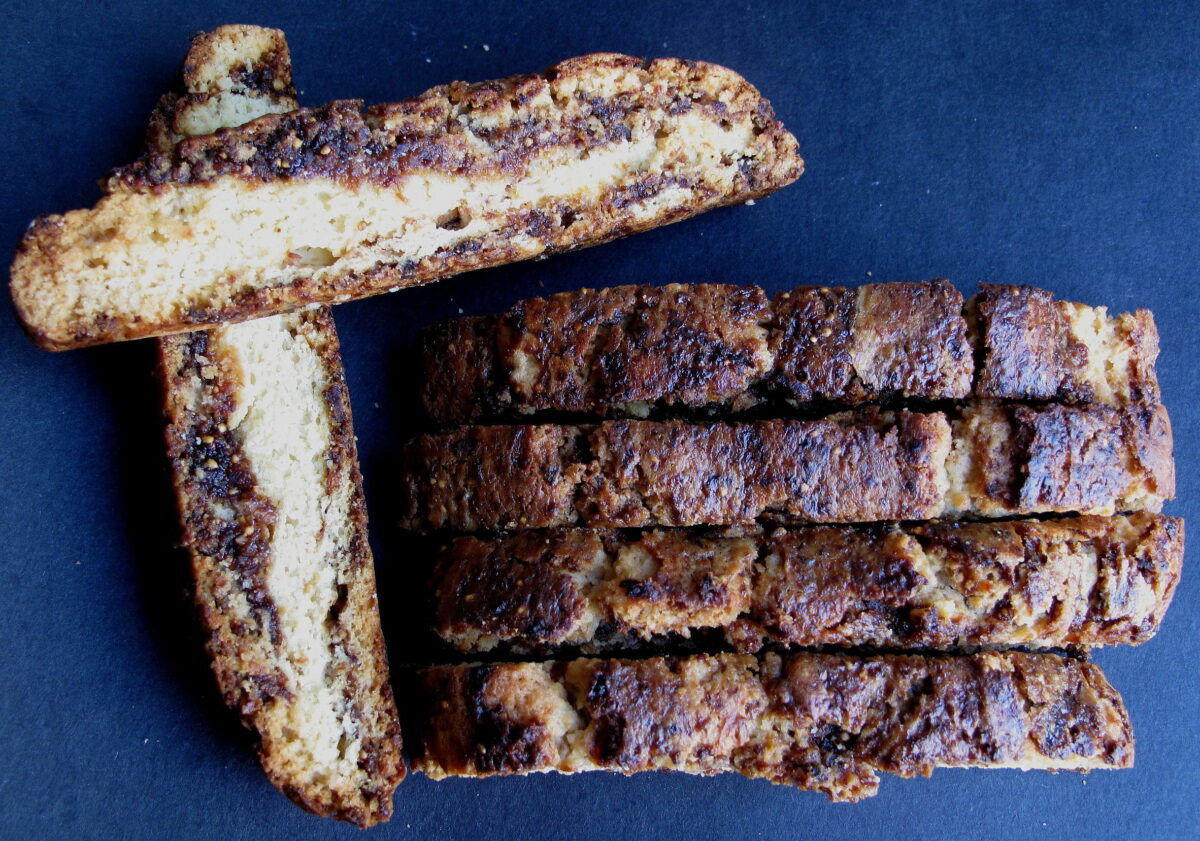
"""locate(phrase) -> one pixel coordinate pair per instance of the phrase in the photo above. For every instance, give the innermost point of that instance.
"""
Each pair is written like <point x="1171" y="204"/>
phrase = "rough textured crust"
<point x="863" y="466"/>
<point x="1011" y="460"/>
<point x="1080" y="581"/>
<point x="820" y="722"/>
<point x="231" y="522"/>
<point x="626" y="350"/>
<point x="342" y="201"/>
<point x="1033" y="347"/>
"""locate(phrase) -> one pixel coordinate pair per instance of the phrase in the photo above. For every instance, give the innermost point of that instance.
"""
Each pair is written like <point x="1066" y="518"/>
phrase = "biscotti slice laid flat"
<point x="269" y="491"/>
<point x="859" y="466"/>
<point x="627" y="350"/>
<point x="338" y="202"/>
<point x="1078" y="581"/>
<point x="821" y="722"/>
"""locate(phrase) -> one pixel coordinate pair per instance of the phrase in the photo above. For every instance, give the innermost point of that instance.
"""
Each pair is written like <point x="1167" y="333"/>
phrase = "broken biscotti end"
<point x="1091" y="459"/>
<point x="339" y="202"/>
<point x="819" y="722"/>
<point x="1033" y="347"/>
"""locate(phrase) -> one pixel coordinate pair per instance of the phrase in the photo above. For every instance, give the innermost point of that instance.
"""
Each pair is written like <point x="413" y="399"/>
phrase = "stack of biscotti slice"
<point x="270" y="497"/>
<point x="852" y="505"/>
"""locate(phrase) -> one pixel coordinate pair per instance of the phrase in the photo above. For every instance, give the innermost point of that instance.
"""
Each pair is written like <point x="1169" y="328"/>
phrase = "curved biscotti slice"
<point x="338" y="202"/>
<point x="271" y="502"/>
<point x="820" y="722"/>
<point x="862" y="466"/>
<point x="628" y="350"/>
<point x="270" y="496"/>
<point x="1078" y="581"/>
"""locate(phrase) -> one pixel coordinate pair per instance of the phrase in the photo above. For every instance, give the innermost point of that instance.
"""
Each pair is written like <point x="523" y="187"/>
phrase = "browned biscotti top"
<point x="1009" y="460"/>
<point x="1033" y="347"/>
<point x="860" y="466"/>
<point x="347" y="142"/>
<point x="863" y="466"/>
<point x="627" y="350"/>
<point x="1078" y="581"/>
<point x="819" y="722"/>
<point x="328" y="204"/>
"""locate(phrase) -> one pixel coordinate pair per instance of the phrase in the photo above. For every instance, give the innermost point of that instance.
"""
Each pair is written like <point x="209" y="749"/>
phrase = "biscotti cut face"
<point x="864" y="466"/>
<point x="271" y="502"/>
<point x="819" y="722"/>
<point x="1079" y="581"/>
<point x="631" y="350"/>
<point x="269" y="492"/>
<point x="339" y="202"/>
<point x="861" y="466"/>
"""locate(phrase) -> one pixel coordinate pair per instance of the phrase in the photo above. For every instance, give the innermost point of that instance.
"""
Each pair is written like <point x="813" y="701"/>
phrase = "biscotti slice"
<point x="821" y="722"/>
<point x="862" y="466"/>
<point x="1033" y="347"/>
<point x="270" y="496"/>
<point x="339" y="202"/>
<point x="1079" y="581"/>
<point x="628" y="350"/>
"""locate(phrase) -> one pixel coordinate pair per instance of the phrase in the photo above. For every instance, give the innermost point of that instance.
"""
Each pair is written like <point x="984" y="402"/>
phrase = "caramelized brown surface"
<point x="1078" y="581"/>
<point x="627" y="350"/>
<point x="861" y="467"/>
<point x="826" y="723"/>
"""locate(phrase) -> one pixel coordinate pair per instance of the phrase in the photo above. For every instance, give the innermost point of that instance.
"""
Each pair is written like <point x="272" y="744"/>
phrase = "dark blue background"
<point x="1046" y="143"/>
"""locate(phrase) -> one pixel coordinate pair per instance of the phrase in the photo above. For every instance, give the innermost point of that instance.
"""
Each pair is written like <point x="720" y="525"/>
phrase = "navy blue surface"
<point x="1047" y="143"/>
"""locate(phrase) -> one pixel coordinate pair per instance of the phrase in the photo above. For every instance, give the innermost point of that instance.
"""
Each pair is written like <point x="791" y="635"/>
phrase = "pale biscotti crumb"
<point x="328" y="204"/>
<point x="270" y="495"/>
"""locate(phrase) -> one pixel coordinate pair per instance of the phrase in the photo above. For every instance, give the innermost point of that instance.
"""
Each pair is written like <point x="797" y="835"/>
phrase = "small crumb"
<point x="749" y="202"/>
<point x="460" y="310"/>
<point x="429" y="61"/>
<point x="464" y="46"/>
<point x="486" y="48"/>
<point x="376" y="405"/>
<point x="868" y="274"/>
